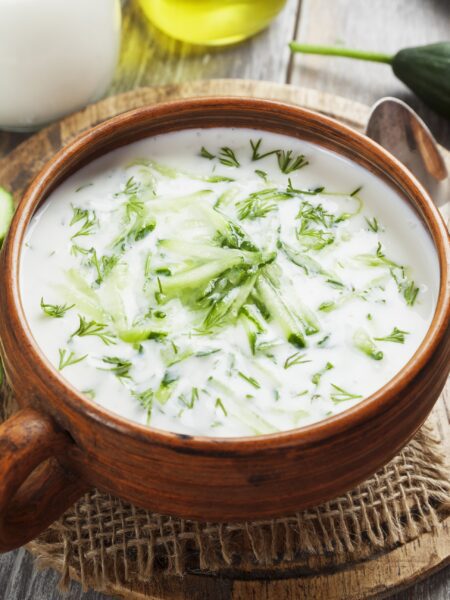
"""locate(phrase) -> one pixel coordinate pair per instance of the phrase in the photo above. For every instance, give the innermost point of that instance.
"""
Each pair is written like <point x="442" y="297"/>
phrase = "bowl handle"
<point x="34" y="488"/>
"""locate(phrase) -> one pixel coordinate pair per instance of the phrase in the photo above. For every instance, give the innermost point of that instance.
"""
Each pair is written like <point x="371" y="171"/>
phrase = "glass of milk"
<point x="56" y="56"/>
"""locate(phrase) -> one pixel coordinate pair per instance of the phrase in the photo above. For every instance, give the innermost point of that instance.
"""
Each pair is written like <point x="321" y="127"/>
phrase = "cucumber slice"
<point x="6" y="212"/>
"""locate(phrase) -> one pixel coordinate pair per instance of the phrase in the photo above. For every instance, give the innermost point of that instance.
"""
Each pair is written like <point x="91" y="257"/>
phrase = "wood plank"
<point x="383" y="25"/>
<point x="20" y="580"/>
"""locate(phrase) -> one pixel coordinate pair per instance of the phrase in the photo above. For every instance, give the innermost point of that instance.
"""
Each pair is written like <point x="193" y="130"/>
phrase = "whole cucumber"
<point x="424" y="69"/>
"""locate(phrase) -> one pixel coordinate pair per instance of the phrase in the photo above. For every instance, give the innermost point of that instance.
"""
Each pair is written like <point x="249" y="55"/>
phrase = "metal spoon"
<point x="396" y="127"/>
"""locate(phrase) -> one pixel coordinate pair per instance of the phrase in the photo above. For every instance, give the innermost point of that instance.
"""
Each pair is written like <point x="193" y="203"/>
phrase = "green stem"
<point x="345" y="52"/>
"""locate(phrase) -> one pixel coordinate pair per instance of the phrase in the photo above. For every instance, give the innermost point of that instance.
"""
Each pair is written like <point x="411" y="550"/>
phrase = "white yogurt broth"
<point x="186" y="282"/>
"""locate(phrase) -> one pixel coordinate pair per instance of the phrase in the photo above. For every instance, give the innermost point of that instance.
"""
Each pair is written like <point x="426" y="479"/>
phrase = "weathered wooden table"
<point x="385" y="25"/>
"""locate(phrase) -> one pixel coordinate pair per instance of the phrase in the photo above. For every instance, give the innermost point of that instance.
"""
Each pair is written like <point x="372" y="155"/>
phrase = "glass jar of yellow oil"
<point x="211" y="22"/>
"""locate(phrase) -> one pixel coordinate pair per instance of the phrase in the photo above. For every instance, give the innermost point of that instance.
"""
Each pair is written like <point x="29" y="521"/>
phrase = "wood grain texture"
<point x="385" y="26"/>
<point x="34" y="486"/>
<point x="22" y="581"/>
<point x="356" y="24"/>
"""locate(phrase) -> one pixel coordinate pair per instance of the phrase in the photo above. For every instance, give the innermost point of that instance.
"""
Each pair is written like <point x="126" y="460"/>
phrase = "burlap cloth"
<point x="103" y="540"/>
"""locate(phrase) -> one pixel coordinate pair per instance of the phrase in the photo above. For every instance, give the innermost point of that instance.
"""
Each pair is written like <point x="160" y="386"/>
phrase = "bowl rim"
<point x="307" y="435"/>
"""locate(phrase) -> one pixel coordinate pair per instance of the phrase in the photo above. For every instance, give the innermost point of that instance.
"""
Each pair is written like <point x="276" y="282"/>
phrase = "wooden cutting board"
<point x="378" y="577"/>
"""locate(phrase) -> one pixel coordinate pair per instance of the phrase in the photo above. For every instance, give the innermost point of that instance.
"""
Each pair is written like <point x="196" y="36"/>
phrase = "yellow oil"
<point x="211" y="22"/>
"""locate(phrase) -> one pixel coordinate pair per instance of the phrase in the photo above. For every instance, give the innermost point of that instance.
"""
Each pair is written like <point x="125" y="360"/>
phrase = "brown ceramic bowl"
<point x="60" y="444"/>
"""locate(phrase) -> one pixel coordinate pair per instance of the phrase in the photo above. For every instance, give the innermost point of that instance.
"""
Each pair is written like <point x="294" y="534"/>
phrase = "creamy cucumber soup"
<point x="227" y="282"/>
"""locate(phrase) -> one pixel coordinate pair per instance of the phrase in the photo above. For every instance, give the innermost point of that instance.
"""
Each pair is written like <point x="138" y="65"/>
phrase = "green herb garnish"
<point x="145" y="399"/>
<point x="405" y="286"/>
<point x="251" y="380"/>
<point x="323" y="341"/>
<point x="295" y="359"/>
<point x="205" y="154"/>
<point x="318" y="376"/>
<point x="131" y="188"/>
<point x="66" y="359"/>
<point x="84" y="186"/>
<point x="89" y="218"/>
<point x="263" y="175"/>
<point x="288" y="162"/>
<point x="55" y="310"/>
<point x="228" y="158"/>
<point x="88" y="328"/>
<point x="356" y="191"/>
<point x="193" y="399"/>
<point x="341" y="395"/>
<point x="410" y="292"/>
<point x="313" y="192"/>
<point x="119" y="366"/>
<point x="219" y="404"/>
<point x="165" y="388"/>
<point x="373" y="224"/>
<point x="257" y="206"/>
<point x="102" y="266"/>
<point x="396" y="335"/>
<point x="255" y="150"/>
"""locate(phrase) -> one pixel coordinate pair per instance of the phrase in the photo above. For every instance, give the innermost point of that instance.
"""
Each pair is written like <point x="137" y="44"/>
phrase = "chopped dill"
<point x="397" y="336"/>
<point x="66" y="359"/>
<point x="119" y="366"/>
<point x="228" y="158"/>
<point x="314" y="192"/>
<point x="192" y="400"/>
<point x="405" y="286"/>
<point x="205" y="154"/>
<point x="341" y="395"/>
<point x="145" y="399"/>
<point x="93" y="328"/>
<point x="373" y="224"/>
<point x="202" y="353"/>
<point x="323" y="341"/>
<point x="251" y="380"/>
<point x="89" y="221"/>
<point x="356" y="192"/>
<point x="57" y="311"/>
<point x="318" y="376"/>
<point x="255" y="146"/>
<point x="410" y="292"/>
<point x="130" y="188"/>
<point x="219" y="404"/>
<point x="84" y="186"/>
<point x="256" y="206"/>
<point x="298" y="358"/>
<point x="288" y="162"/>
<point x="263" y="175"/>
<point x="133" y="207"/>
<point x="102" y="266"/>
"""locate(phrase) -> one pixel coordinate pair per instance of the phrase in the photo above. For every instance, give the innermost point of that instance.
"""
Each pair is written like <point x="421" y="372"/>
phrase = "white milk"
<point x="151" y="226"/>
<point x="56" y="56"/>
